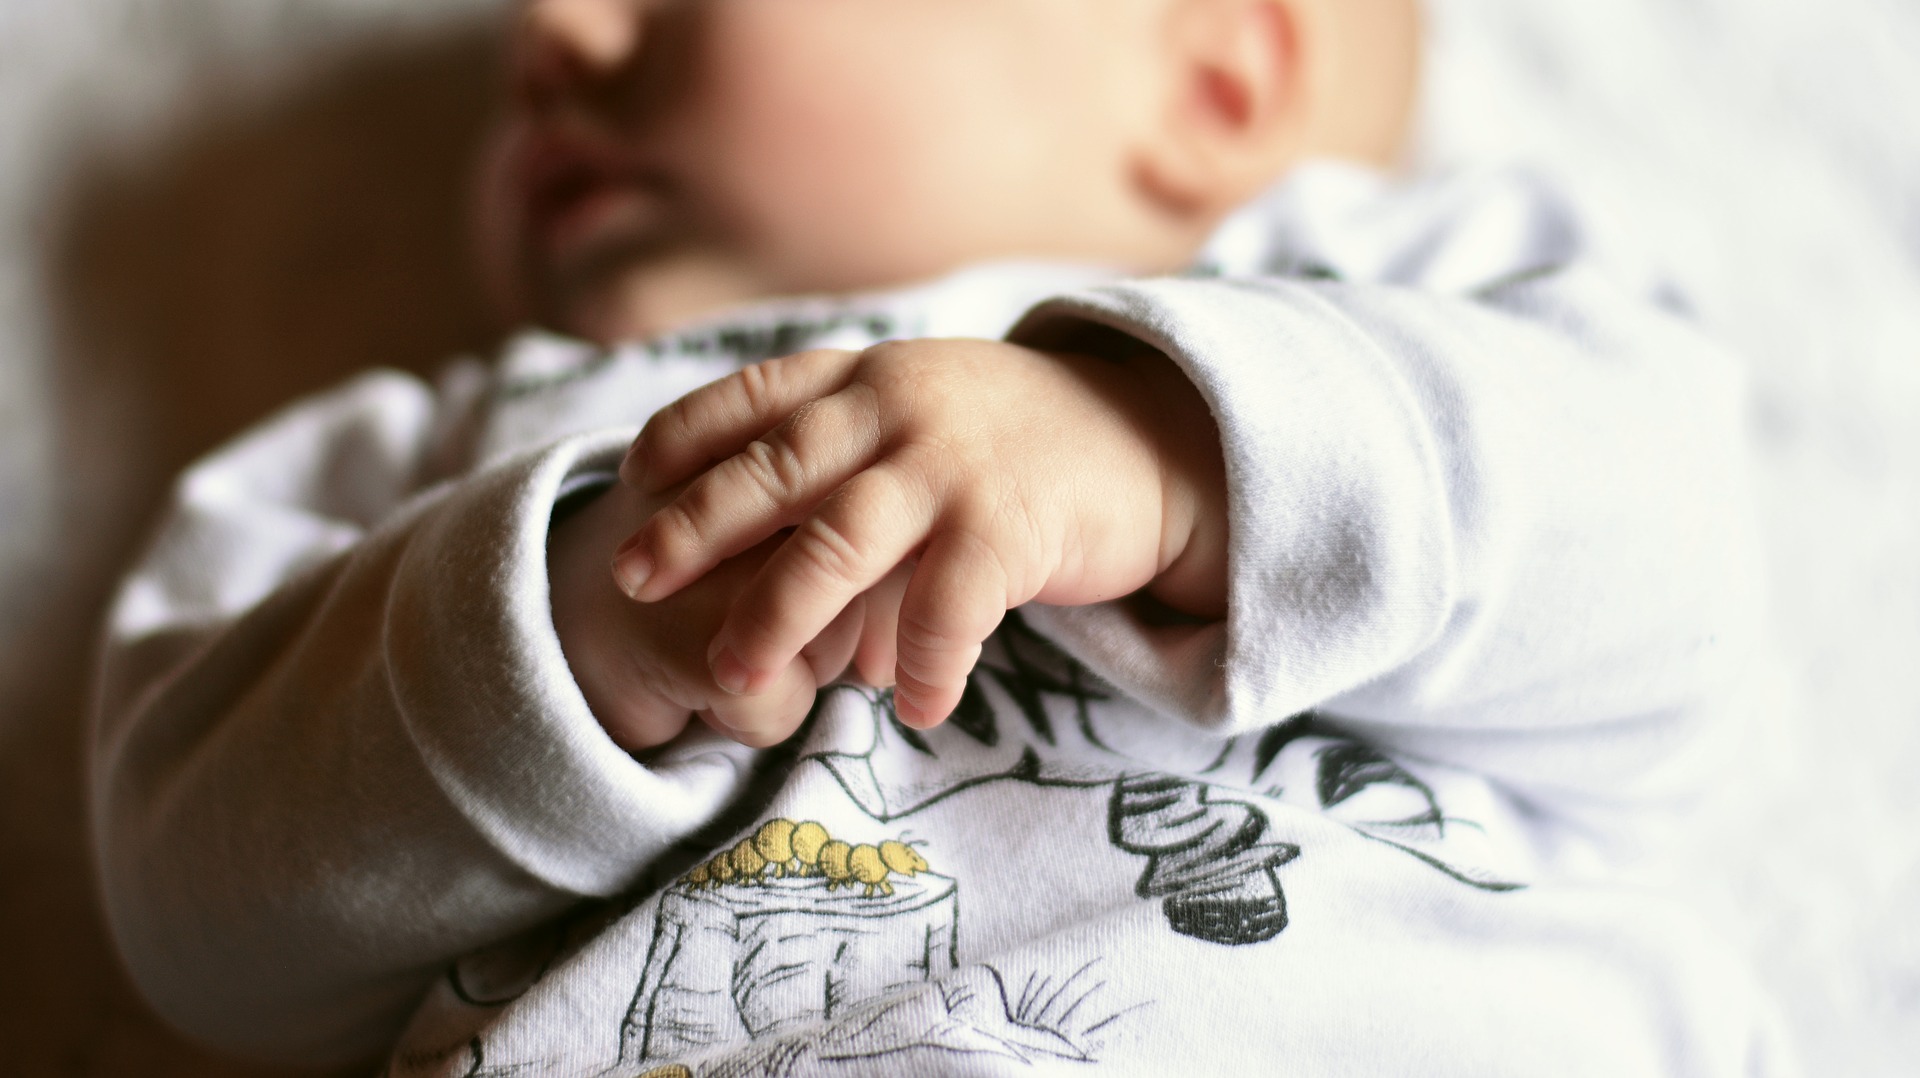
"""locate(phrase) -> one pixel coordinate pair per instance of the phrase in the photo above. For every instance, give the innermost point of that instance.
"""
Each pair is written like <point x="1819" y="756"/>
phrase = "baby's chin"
<point x="602" y="277"/>
<point x="637" y="295"/>
<point x="613" y="300"/>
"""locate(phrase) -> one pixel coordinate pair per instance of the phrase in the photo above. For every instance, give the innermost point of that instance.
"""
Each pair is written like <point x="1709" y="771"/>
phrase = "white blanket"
<point x="1771" y="148"/>
<point x="1766" y="147"/>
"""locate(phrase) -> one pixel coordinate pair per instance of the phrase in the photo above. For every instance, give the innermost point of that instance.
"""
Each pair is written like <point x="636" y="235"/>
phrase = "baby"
<point x="666" y="159"/>
<point x="1264" y="650"/>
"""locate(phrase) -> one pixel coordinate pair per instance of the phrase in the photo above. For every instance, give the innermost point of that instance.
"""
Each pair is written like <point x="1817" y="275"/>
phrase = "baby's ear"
<point x="1235" y="107"/>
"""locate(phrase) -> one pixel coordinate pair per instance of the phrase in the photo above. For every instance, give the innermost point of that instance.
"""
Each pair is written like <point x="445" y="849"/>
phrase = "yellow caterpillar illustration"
<point x="870" y="865"/>
<point x="787" y="849"/>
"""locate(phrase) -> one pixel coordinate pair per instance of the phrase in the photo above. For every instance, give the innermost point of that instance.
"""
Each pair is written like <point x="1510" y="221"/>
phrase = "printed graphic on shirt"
<point x="822" y="951"/>
<point x="1206" y="862"/>
<point x="739" y="342"/>
<point x="785" y="849"/>
<point x="787" y="929"/>
<point x="804" y="943"/>
<point x="1034" y="1019"/>
<point x="812" y="987"/>
<point x="1029" y="716"/>
<point x="778" y="953"/>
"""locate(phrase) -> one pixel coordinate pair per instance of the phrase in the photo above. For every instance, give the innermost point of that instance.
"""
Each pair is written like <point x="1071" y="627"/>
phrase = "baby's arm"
<point x="1488" y="496"/>
<point x="1006" y="474"/>
<point x="337" y="741"/>
<point x="1485" y="495"/>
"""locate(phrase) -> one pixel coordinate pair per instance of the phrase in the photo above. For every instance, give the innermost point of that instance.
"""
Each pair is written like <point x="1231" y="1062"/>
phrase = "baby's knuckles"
<point x="960" y="396"/>
<point x="1049" y="458"/>
<point x="913" y="383"/>
<point x="999" y="415"/>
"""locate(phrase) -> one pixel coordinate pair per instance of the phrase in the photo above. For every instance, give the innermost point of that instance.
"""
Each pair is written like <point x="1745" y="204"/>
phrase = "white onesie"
<point x="1491" y="566"/>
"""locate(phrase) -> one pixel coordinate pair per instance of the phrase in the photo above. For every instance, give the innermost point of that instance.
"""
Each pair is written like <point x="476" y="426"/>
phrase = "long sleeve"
<point x="1487" y="494"/>
<point x="337" y="741"/>
<point x="337" y="744"/>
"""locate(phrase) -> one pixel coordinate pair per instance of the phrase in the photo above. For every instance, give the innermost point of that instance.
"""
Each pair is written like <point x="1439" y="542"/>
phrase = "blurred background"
<point x="210" y="207"/>
<point x="207" y="208"/>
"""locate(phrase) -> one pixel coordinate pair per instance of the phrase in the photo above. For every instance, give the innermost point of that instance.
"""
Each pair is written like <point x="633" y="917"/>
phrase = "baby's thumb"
<point x="767" y="717"/>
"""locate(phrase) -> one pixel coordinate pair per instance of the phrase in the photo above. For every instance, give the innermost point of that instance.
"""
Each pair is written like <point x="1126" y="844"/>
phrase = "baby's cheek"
<point x="496" y="222"/>
<point x="820" y="182"/>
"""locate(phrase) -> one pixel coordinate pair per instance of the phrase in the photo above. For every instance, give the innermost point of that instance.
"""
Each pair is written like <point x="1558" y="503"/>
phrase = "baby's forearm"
<point x="343" y="755"/>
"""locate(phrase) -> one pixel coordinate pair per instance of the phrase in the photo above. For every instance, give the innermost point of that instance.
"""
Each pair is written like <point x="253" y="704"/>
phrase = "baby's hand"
<point x="998" y="474"/>
<point x="643" y="669"/>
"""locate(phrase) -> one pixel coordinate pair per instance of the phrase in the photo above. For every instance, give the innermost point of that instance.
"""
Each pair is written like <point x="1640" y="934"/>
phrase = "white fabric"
<point x="1488" y="508"/>
<point x="1489" y="489"/>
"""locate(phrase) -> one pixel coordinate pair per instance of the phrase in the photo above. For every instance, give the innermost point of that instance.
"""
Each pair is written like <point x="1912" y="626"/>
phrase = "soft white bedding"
<point x="208" y="205"/>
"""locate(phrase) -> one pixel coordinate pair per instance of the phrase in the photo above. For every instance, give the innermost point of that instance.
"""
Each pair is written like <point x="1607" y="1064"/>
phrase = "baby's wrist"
<point x="589" y="616"/>
<point x="1178" y="431"/>
<point x="1185" y="444"/>
<point x="1193" y="540"/>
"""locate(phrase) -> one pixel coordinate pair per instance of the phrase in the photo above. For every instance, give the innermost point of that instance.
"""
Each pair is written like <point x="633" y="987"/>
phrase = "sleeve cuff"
<point x="1339" y="559"/>
<point x="485" y="693"/>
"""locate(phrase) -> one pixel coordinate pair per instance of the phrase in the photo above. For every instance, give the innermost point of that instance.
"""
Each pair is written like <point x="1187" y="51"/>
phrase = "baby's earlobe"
<point x="1233" y="105"/>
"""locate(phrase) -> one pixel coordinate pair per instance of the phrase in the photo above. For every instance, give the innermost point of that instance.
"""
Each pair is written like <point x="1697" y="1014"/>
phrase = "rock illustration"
<point x="1206" y="860"/>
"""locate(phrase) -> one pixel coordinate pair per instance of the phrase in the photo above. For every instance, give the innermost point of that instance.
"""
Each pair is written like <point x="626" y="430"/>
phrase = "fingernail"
<point x="730" y="673"/>
<point x="905" y="709"/>
<point x="633" y="468"/>
<point x="630" y="571"/>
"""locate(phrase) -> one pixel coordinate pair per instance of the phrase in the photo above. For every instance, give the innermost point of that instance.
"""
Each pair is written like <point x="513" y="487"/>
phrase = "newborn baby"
<point x="667" y="159"/>
<point x="1076" y="489"/>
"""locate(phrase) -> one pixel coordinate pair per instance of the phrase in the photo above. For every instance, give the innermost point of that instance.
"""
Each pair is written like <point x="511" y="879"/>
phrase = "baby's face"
<point x="662" y="159"/>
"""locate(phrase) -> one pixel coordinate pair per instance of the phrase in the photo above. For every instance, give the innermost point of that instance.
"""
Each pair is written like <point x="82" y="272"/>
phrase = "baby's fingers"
<point x="955" y="600"/>
<point x="851" y="543"/>
<point x="719" y="419"/>
<point x="769" y="485"/>
<point x="769" y="717"/>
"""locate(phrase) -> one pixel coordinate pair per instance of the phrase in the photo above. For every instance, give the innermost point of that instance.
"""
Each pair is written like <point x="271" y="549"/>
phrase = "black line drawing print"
<point x="776" y="947"/>
<point x="795" y="332"/>
<point x="1346" y="769"/>
<point x="744" y="343"/>
<point x="1205" y="859"/>
<point x="1349" y="767"/>
<point x="1020" y="664"/>
<point x="1026" y="671"/>
<point x="978" y="1011"/>
<point x="748" y="946"/>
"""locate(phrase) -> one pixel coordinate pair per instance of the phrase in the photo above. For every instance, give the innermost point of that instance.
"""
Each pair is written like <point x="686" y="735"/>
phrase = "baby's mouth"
<point x="578" y="200"/>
